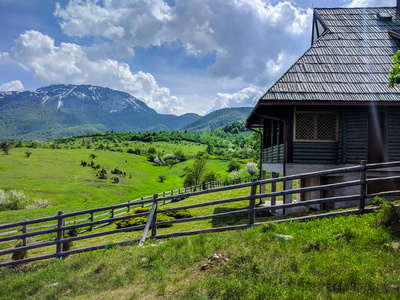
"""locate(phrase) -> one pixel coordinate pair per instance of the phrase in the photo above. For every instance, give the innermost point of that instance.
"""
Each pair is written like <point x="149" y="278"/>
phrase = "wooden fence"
<point x="87" y="216"/>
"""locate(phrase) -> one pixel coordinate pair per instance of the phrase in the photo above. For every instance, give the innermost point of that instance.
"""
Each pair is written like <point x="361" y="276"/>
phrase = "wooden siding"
<point x="315" y="153"/>
<point x="353" y="144"/>
<point x="273" y="154"/>
<point x="393" y="133"/>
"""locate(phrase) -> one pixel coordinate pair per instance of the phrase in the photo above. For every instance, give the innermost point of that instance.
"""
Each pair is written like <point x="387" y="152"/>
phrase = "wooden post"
<point x="59" y="232"/>
<point x="91" y="220"/>
<point x="273" y="188"/>
<point x="129" y="207"/>
<point x="363" y="185"/>
<point x="154" y="220"/>
<point x="24" y="231"/>
<point x="112" y="213"/>
<point x="172" y="192"/>
<point x="252" y="204"/>
<point x="142" y="203"/>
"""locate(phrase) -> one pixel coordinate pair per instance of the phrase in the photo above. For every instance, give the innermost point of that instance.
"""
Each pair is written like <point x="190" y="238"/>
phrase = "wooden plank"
<point x="148" y="223"/>
<point x="44" y="232"/>
<point x="77" y="238"/>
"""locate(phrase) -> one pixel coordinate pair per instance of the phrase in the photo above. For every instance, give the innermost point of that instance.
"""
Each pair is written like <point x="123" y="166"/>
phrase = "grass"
<point x="337" y="258"/>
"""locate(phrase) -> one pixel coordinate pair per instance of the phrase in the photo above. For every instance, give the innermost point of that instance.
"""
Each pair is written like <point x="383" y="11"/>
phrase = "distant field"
<point x="56" y="175"/>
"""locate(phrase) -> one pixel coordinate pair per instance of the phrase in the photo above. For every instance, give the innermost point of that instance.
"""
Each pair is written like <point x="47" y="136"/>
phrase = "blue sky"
<point x="177" y="56"/>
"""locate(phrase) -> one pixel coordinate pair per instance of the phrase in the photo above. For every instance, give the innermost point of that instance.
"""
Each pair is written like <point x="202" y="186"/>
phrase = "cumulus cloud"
<point x="245" y="97"/>
<point x="244" y="35"/>
<point x="14" y="85"/>
<point x="371" y="3"/>
<point x="71" y="63"/>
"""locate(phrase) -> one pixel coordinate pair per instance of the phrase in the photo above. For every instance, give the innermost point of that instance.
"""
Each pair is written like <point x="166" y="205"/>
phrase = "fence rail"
<point x="89" y="221"/>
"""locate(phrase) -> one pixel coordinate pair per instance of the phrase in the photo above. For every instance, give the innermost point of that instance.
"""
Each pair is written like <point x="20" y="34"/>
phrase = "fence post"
<point x="252" y="204"/>
<point x="24" y="231"/>
<point x="129" y="207"/>
<point x="154" y="220"/>
<point x="363" y="185"/>
<point x="142" y="203"/>
<point x="60" y="222"/>
<point x="112" y="213"/>
<point x="91" y="220"/>
<point x="172" y="192"/>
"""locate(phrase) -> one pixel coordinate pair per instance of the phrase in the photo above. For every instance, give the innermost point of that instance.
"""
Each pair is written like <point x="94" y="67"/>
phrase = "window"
<point x="313" y="126"/>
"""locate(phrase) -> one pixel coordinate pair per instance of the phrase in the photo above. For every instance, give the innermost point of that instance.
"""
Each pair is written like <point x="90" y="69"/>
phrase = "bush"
<point x="390" y="217"/>
<point x="102" y="174"/>
<point x="141" y="210"/>
<point x="71" y="233"/>
<point x="161" y="178"/>
<point x="141" y="220"/>
<point x="178" y="214"/>
<point x="19" y="254"/>
<point x="28" y="153"/>
<point x="233" y="166"/>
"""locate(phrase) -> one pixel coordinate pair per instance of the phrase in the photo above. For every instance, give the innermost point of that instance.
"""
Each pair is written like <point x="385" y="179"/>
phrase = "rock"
<point x="144" y="259"/>
<point x="54" y="284"/>
<point x="284" y="236"/>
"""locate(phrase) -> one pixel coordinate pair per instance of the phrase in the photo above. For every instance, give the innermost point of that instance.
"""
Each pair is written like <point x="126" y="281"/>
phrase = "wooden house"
<point x="333" y="107"/>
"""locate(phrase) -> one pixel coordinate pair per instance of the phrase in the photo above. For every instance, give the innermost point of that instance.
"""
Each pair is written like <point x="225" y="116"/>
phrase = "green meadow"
<point x="57" y="175"/>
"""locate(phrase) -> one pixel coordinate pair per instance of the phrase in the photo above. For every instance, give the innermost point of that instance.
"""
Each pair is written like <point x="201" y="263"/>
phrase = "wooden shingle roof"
<point x="351" y="61"/>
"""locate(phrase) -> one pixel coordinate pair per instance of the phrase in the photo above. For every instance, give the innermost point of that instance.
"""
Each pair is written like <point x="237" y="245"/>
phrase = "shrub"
<point x="117" y="171"/>
<point x="71" y="233"/>
<point x="390" y="217"/>
<point x="161" y="178"/>
<point x="178" y="214"/>
<point x="233" y="166"/>
<point x="28" y="153"/>
<point x="235" y="175"/>
<point x="378" y="201"/>
<point x="92" y="155"/>
<point x="116" y="179"/>
<point x="21" y="254"/>
<point x="102" y="174"/>
<point x="141" y="220"/>
<point x="141" y="210"/>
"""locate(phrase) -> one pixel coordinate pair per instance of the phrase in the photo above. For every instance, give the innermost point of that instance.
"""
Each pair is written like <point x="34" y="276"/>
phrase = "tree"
<point x="210" y="176"/>
<point x="5" y="146"/>
<point x="210" y="149"/>
<point x="252" y="168"/>
<point x="394" y="75"/>
<point x="161" y="178"/>
<point x="233" y="166"/>
<point x="195" y="172"/>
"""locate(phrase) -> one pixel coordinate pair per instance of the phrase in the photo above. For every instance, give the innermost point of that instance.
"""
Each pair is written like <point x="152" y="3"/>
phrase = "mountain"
<point x="217" y="119"/>
<point x="64" y="110"/>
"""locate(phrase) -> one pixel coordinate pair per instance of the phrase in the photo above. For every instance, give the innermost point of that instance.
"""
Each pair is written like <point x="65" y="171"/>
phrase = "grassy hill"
<point x="352" y="257"/>
<point x="217" y="119"/>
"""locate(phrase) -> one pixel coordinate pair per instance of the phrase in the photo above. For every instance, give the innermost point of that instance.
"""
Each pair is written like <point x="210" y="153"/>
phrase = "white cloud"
<point x="244" y="35"/>
<point x="71" y="63"/>
<point x="245" y="97"/>
<point x="14" y="85"/>
<point x="371" y="3"/>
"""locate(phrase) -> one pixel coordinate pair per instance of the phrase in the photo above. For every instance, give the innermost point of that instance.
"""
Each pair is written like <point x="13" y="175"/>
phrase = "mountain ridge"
<point x="66" y="109"/>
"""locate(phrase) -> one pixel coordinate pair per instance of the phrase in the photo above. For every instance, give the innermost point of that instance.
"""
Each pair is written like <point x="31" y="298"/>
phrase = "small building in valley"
<point x="333" y="107"/>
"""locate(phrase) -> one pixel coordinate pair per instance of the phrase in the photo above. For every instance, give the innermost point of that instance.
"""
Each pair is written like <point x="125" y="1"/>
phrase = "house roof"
<point x="350" y="61"/>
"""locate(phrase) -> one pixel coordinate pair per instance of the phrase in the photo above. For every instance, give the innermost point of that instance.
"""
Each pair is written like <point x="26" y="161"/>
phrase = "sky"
<point x="178" y="56"/>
